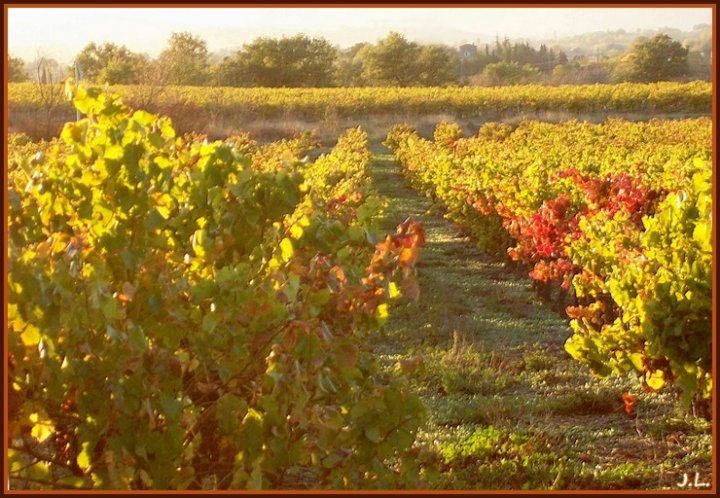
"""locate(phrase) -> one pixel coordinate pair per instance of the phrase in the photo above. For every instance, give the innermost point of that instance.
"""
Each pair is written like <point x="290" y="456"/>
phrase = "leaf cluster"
<point x="186" y="314"/>
<point x="630" y="252"/>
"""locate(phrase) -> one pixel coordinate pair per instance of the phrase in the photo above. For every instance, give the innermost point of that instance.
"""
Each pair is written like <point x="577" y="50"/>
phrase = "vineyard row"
<point x="186" y="314"/>
<point x="461" y="102"/>
<point x="613" y="222"/>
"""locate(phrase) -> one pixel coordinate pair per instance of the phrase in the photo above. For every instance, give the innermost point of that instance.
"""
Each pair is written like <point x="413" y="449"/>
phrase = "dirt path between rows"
<point x="508" y="407"/>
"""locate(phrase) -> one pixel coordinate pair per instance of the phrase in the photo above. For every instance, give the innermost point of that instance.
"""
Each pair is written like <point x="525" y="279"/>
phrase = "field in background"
<point x="270" y="114"/>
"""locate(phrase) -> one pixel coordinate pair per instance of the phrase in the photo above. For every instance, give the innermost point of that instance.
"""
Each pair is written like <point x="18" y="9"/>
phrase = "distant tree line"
<point x="301" y="61"/>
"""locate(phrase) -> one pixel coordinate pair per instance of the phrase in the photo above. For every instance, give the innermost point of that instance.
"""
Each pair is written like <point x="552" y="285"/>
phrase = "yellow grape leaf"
<point x="163" y="211"/>
<point x="393" y="290"/>
<point x="655" y="380"/>
<point x="637" y="361"/>
<point x="31" y="335"/>
<point x="382" y="312"/>
<point x="15" y="321"/>
<point x="296" y="231"/>
<point x="702" y="235"/>
<point x="60" y="243"/>
<point x="304" y="221"/>
<point x="83" y="458"/>
<point x="286" y="249"/>
<point x="41" y="429"/>
<point x="114" y="152"/>
<point x="198" y="239"/>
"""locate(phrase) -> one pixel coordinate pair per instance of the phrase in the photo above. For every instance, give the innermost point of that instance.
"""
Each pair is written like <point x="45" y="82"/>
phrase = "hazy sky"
<point x="61" y="33"/>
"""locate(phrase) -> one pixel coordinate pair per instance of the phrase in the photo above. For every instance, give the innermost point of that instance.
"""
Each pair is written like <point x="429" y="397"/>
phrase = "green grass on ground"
<point x="507" y="406"/>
